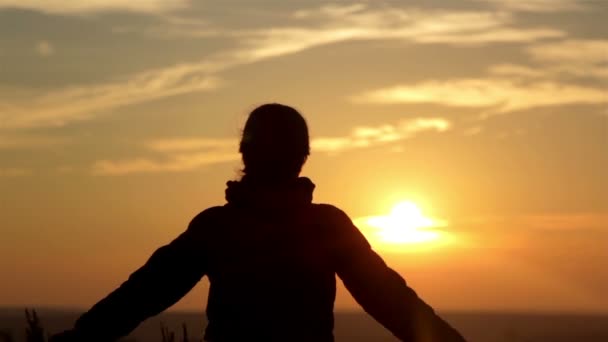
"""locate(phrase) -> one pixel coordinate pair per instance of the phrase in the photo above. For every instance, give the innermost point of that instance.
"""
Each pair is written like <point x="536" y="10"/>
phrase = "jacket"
<point x="272" y="257"/>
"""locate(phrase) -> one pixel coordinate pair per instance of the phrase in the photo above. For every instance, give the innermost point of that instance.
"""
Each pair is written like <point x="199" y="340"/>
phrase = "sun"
<point x="406" y="224"/>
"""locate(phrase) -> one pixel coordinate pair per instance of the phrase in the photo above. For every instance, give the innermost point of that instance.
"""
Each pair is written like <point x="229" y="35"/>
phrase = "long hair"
<point x="275" y="143"/>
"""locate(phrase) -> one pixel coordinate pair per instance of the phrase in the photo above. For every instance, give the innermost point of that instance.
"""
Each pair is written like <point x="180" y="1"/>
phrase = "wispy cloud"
<point x="173" y="163"/>
<point x="358" y="22"/>
<point x="571" y="222"/>
<point x="14" y="172"/>
<point x="338" y="23"/>
<point x="504" y="94"/>
<point x="573" y="56"/>
<point x="172" y="26"/>
<point x="537" y="5"/>
<point x="552" y="60"/>
<point x="191" y="153"/>
<point x="331" y="11"/>
<point x="44" y="48"/>
<point x="514" y="70"/>
<point x="503" y="35"/>
<point x="59" y="107"/>
<point x="89" y="6"/>
<point x="190" y="144"/>
<point x="572" y="50"/>
<point x="174" y="155"/>
<point x="551" y="67"/>
<point x="474" y="130"/>
<point x="330" y="24"/>
<point x="367" y="136"/>
<point x="23" y="141"/>
<point x="541" y="222"/>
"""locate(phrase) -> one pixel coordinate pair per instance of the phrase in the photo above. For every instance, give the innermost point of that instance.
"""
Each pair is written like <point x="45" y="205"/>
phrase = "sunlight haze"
<point x="405" y="226"/>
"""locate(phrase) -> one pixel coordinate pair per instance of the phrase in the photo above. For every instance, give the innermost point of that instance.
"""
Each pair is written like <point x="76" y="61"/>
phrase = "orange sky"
<point x="119" y="122"/>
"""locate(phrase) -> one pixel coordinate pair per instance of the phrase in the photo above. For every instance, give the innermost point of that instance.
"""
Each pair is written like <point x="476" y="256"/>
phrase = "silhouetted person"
<point x="271" y="256"/>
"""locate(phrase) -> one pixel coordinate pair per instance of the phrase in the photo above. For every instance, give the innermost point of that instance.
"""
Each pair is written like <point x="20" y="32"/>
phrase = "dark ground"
<point x="358" y="327"/>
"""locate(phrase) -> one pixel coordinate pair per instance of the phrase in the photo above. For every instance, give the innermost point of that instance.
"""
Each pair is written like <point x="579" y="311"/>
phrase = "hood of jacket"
<point x="247" y="193"/>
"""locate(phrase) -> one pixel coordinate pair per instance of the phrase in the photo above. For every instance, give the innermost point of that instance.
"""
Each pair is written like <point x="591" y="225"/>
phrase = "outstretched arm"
<point x="382" y="292"/>
<point x="170" y="273"/>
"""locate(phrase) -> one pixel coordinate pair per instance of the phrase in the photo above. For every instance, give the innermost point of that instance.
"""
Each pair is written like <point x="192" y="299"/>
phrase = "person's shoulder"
<point x="331" y="212"/>
<point x="336" y="222"/>
<point x="207" y="216"/>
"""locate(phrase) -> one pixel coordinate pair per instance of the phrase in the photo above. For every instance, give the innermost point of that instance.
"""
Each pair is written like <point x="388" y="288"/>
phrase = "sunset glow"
<point x="406" y="226"/>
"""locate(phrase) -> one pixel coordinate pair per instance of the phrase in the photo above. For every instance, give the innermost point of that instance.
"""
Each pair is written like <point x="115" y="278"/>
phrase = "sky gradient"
<point x="119" y="122"/>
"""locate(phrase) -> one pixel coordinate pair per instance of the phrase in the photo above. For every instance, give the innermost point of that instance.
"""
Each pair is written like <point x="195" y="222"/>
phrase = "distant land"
<point x="359" y="327"/>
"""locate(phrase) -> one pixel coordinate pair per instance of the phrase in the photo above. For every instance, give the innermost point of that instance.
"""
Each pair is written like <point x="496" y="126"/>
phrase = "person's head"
<point x="275" y="143"/>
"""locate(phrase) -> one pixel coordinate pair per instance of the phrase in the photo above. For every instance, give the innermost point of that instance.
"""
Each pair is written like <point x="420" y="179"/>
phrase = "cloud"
<point x="572" y="50"/>
<point x="567" y="222"/>
<point x="553" y="61"/>
<point x="14" y="172"/>
<point x="190" y="144"/>
<point x="516" y="71"/>
<point x="358" y="22"/>
<point x="59" y="107"/>
<point x="89" y="6"/>
<point x="331" y="11"/>
<point x="174" y="155"/>
<point x="29" y="141"/>
<point x="541" y="222"/>
<point x="44" y="48"/>
<point x="506" y="35"/>
<point x="338" y="23"/>
<point x="558" y="61"/>
<point x="573" y="56"/>
<point x="175" y="163"/>
<point x="187" y="154"/>
<point x="65" y="169"/>
<point x="173" y="26"/>
<point x="474" y="130"/>
<point x="537" y="5"/>
<point x="504" y="94"/>
<point x="368" y="136"/>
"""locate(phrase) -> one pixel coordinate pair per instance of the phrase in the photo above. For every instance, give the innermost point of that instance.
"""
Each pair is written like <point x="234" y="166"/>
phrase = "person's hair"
<point x="275" y="143"/>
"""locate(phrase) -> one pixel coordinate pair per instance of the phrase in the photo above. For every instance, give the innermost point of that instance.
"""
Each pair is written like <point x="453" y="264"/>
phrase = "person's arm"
<point x="381" y="291"/>
<point x="170" y="273"/>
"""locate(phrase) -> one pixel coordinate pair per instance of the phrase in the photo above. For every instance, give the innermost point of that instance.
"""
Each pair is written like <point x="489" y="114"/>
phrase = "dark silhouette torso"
<point x="272" y="257"/>
<point x="271" y="275"/>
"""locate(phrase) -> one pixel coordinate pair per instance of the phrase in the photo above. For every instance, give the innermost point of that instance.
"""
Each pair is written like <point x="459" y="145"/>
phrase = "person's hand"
<point x="66" y="336"/>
